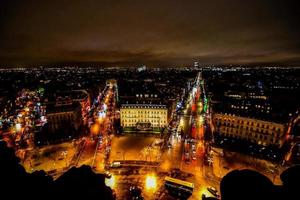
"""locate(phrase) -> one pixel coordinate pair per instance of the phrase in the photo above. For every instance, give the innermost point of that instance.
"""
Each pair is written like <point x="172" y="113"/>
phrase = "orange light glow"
<point x="151" y="182"/>
<point x="95" y="129"/>
<point x="111" y="182"/>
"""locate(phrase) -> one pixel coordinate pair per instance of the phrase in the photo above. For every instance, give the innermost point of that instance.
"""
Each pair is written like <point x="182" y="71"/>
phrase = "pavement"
<point x="50" y="158"/>
<point x="133" y="147"/>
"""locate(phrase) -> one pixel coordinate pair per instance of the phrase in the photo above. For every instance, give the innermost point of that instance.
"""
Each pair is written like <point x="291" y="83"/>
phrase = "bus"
<point x="179" y="187"/>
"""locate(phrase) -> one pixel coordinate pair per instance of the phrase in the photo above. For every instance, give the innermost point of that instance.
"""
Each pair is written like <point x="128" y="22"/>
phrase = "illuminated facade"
<point x="253" y="130"/>
<point x="143" y="116"/>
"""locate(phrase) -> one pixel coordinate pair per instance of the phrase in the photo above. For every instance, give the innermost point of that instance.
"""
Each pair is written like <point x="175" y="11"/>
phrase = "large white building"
<point x="143" y="116"/>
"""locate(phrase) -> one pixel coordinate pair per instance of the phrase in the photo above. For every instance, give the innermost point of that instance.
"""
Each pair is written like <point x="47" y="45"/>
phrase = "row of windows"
<point x="141" y="112"/>
<point x="274" y="134"/>
<point x="152" y="121"/>
<point x="249" y="128"/>
<point x="252" y="137"/>
<point x="236" y="131"/>
<point x="246" y="107"/>
<point x="233" y="124"/>
<point x="133" y="125"/>
<point x="146" y="95"/>
<point x="143" y="116"/>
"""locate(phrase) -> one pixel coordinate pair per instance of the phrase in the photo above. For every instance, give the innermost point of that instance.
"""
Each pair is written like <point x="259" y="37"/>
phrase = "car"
<point x="194" y="157"/>
<point x="213" y="191"/>
<point x="135" y="191"/>
<point x="115" y="165"/>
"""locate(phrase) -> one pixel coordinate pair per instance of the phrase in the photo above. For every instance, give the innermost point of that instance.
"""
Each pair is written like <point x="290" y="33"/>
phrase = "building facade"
<point x="257" y="131"/>
<point x="64" y="116"/>
<point x="143" y="116"/>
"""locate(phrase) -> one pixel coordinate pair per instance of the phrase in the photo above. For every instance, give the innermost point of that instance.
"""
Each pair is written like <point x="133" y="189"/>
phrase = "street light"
<point x="95" y="129"/>
<point x="181" y="123"/>
<point x="110" y="182"/>
<point x="201" y="119"/>
<point x="151" y="182"/>
<point x="18" y="127"/>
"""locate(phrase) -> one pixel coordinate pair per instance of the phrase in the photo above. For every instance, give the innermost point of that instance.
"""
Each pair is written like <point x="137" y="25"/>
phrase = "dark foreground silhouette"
<point x="77" y="183"/>
<point x="83" y="183"/>
<point x="251" y="185"/>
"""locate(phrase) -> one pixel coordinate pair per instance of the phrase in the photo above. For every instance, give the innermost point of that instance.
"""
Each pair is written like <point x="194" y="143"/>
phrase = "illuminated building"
<point x="142" y="68"/>
<point x="143" y="107"/>
<point x="143" y="117"/>
<point x="249" y="129"/>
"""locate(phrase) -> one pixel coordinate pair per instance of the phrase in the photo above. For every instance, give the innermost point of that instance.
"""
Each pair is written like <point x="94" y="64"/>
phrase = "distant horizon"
<point x="151" y="65"/>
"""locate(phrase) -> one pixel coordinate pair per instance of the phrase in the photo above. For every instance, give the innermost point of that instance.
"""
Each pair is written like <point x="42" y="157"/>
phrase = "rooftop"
<point x="52" y="108"/>
<point x="158" y="106"/>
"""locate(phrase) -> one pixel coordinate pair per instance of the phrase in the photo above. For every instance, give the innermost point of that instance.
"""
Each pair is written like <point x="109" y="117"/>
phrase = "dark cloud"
<point x="172" y="32"/>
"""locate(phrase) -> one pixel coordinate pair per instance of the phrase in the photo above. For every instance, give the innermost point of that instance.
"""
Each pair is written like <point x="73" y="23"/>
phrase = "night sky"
<point x="153" y="32"/>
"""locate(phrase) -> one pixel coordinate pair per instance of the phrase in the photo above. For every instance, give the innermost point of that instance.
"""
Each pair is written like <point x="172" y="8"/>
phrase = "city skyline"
<point x="150" y="100"/>
<point x="153" y="33"/>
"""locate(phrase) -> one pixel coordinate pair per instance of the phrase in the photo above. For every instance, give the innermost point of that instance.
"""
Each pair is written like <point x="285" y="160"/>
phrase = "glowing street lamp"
<point x="151" y="182"/>
<point x="101" y="115"/>
<point x="18" y="127"/>
<point x="110" y="182"/>
<point x="181" y="122"/>
<point x="201" y="119"/>
<point x="95" y="129"/>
